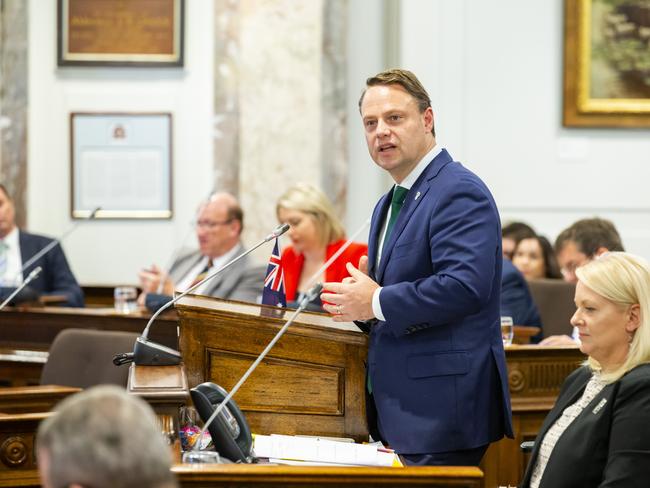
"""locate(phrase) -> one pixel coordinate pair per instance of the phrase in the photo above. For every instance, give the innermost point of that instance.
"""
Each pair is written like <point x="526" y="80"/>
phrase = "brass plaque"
<point x="120" y="32"/>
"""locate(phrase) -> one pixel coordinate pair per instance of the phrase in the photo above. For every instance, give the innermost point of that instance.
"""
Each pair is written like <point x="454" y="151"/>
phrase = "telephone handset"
<point x="230" y="432"/>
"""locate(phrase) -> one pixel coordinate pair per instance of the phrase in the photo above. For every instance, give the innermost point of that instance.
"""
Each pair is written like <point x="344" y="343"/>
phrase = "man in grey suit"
<point x="218" y="231"/>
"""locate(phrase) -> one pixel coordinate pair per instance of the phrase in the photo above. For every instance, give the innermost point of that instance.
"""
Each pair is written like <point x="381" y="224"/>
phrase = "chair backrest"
<point x="554" y="300"/>
<point x="83" y="358"/>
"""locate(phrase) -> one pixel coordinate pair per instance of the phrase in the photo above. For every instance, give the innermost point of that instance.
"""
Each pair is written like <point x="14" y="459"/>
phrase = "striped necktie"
<point x="201" y="276"/>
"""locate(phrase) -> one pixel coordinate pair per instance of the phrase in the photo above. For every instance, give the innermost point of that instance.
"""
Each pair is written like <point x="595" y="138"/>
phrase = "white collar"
<point x="11" y="240"/>
<point x="415" y="173"/>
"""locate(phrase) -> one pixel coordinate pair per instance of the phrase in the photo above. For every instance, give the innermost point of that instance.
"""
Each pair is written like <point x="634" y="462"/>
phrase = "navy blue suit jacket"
<point x="437" y="363"/>
<point x="516" y="300"/>
<point x="56" y="277"/>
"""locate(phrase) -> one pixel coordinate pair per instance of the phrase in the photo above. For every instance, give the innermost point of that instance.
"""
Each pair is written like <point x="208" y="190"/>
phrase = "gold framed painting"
<point x="607" y="63"/>
<point x="120" y="32"/>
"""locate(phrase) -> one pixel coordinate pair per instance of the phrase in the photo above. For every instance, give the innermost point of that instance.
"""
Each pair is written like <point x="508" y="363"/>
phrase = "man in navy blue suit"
<point x="428" y="291"/>
<point x="516" y="299"/>
<point x="17" y="247"/>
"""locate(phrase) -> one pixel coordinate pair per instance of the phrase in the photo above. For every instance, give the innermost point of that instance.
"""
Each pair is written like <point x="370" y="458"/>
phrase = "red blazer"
<point x="292" y="264"/>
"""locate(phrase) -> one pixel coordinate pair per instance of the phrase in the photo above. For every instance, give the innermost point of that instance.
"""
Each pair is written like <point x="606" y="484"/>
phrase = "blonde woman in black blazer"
<point x="598" y="433"/>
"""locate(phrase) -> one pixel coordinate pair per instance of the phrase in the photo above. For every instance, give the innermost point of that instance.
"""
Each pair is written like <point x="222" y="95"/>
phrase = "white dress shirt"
<point x="13" y="275"/>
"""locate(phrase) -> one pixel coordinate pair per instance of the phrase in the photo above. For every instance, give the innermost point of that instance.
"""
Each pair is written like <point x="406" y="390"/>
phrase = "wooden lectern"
<point x="310" y="383"/>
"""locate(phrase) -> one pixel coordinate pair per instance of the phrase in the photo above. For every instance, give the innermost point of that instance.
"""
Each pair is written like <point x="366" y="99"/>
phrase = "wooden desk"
<point x="20" y="367"/>
<point x="311" y="382"/>
<point x="34" y="329"/>
<point x="33" y="399"/>
<point x="261" y="475"/>
<point x="17" y="453"/>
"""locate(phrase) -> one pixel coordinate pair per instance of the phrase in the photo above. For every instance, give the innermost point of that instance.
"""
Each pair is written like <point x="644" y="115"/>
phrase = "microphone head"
<point x="277" y="232"/>
<point x="313" y="292"/>
<point x="35" y="272"/>
<point x="281" y="229"/>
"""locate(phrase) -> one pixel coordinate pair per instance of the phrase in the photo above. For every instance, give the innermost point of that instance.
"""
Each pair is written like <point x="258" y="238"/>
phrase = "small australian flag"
<point x="274" y="282"/>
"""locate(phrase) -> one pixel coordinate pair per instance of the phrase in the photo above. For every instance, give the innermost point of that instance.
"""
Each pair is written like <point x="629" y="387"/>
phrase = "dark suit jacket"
<point x="516" y="300"/>
<point x="56" y="277"/>
<point x="437" y="363"/>
<point x="242" y="281"/>
<point x="608" y="444"/>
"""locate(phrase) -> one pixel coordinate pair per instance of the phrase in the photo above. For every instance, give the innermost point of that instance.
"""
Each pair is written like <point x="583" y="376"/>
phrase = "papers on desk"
<point x="312" y="450"/>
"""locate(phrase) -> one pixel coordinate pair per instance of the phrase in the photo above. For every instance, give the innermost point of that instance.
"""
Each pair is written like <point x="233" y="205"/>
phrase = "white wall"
<point x="366" y="182"/>
<point x="494" y="71"/>
<point x="111" y="252"/>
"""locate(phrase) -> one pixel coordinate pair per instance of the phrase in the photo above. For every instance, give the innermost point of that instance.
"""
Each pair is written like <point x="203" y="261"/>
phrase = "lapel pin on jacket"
<point x="600" y="405"/>
<point x="417" y="195"/>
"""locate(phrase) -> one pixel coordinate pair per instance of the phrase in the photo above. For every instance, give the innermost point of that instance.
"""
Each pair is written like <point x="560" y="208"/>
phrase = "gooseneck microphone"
<point x="35" y="272"/>
<point x="314" y="292"/>
<point x="148" y="353"/>
<point x="52" y="244"/>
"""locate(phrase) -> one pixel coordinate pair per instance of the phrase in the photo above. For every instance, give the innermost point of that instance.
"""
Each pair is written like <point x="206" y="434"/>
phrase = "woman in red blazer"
<point x="316" y="233"/>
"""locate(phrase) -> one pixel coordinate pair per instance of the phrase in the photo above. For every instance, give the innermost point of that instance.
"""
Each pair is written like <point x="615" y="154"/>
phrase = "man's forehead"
<point x="571" y="251"/>
<point x="379" y="95"/>
<point x="214" y="209"/>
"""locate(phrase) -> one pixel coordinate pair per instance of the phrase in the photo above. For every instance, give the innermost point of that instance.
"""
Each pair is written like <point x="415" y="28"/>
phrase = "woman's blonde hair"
<point x="623" y="279"/>
<point x="306" y="198"/>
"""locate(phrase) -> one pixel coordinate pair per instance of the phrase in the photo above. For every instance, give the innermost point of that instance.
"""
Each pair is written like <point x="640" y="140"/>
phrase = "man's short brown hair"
<point x="406" y="80"/>
<point x="589" y="235"/>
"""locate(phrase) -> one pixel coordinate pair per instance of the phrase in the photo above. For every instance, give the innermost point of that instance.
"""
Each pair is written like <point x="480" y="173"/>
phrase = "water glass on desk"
<point x="201" y="457"/>
<point x="125" y="299"/>
<point x="507" y="331"/>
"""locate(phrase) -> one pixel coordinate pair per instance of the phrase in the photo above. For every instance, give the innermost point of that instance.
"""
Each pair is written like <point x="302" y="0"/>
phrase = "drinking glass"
<point x="506" y="331"/>
<point x="125" y="299"/>
<point x="201" y="457"/>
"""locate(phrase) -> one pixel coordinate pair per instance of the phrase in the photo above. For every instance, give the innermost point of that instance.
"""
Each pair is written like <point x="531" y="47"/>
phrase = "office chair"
<point x="83" y="358"/>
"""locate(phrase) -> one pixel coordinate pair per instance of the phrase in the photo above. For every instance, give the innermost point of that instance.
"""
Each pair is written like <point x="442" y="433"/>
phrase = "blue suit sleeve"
<point x="60" y="280"/>
<point x="516" y="300"/>
<point x="463" y="247"/>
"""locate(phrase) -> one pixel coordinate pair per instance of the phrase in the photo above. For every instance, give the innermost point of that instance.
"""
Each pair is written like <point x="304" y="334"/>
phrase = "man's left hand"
<point x="352" y="299"/>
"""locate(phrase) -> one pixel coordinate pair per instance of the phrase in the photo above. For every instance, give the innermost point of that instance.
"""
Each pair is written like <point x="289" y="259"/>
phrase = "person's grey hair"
<point x="312" y="201"/>
<point x="623" y="279"/>
<point x="104" y="437"/>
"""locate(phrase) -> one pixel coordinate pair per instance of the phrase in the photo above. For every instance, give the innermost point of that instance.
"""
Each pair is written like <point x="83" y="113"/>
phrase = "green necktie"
<point x="396" y="203"/>
<point x="399" y="195"/>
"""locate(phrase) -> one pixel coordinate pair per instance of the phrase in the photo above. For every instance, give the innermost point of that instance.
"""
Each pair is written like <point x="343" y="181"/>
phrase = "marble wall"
<point x="13" y="102"/>
<point x="280" y="114"/>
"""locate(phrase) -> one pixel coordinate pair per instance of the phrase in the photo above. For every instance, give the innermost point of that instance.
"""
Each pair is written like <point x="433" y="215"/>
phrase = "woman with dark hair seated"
<point x="598" y="433"/>
<point x="535" y="258"/>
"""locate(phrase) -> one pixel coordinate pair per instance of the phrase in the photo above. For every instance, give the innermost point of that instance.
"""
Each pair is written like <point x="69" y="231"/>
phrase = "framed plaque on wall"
<point x="121" y="163"/>
<point x="120" y="33"/>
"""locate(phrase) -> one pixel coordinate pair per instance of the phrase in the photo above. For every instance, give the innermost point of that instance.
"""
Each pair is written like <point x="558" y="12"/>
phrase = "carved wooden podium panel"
<point x="310" y="383"/>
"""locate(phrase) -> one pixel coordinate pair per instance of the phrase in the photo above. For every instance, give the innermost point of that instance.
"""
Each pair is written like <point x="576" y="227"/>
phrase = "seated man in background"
<point x="17" y="247"/>
<point x="218" y="230"/>
<point x="516" y="300"/>
<point x="576" y="245"/>
<point x="101" y="438"/>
